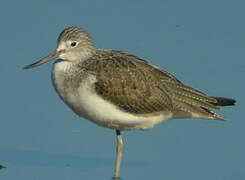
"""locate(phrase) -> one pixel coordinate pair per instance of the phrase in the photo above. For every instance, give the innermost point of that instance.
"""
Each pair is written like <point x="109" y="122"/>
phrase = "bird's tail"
<point x="194" y="103"/>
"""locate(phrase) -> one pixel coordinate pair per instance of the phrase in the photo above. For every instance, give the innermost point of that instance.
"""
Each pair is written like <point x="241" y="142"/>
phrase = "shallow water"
<point x="201" y="42"/>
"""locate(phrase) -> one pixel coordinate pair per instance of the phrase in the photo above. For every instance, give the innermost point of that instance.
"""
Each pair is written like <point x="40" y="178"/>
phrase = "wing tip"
<point x="222" y="101"/>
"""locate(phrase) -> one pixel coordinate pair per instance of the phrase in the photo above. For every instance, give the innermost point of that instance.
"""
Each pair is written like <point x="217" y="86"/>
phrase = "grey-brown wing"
<point x="139" y="87"/>
<point x="128" y="83"/>
<point x="190" y="100"/>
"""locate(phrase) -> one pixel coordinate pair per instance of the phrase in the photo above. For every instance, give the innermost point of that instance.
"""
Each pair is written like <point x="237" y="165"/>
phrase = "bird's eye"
<point x="73" y="44"/>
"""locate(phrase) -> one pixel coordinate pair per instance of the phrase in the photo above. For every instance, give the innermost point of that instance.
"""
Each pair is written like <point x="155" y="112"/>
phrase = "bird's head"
<point x="73" y="44"/>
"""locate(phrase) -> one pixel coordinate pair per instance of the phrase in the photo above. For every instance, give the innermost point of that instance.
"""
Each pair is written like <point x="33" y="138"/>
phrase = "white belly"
<point x="84" y="101"/>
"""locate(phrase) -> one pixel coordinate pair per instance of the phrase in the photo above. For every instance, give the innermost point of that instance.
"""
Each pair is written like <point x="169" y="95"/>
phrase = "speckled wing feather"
<point x="138" y="87"/>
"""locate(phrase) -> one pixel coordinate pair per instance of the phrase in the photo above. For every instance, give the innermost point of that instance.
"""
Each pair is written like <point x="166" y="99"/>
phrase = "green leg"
<point x="119" y="154"/>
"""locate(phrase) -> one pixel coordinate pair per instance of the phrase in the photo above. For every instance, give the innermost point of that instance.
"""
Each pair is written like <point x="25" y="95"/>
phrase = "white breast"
<point x="84" y="101"/>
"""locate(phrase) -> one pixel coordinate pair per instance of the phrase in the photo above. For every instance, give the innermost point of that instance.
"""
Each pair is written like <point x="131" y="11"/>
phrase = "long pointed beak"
<point x="52" y="56"/>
